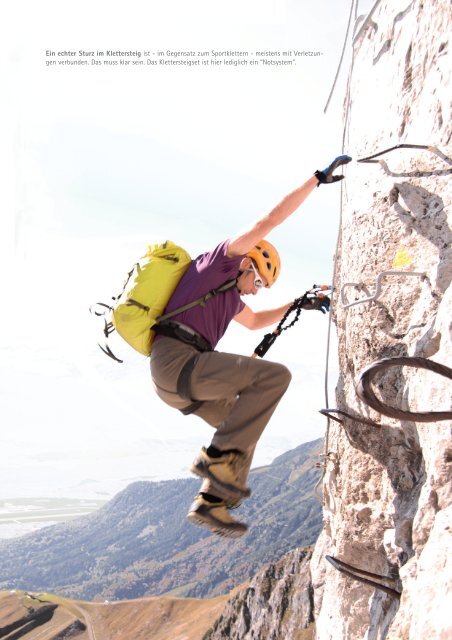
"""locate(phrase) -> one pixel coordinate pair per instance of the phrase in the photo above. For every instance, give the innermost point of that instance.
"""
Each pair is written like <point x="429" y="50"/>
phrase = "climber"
<point x="235" y="394"/>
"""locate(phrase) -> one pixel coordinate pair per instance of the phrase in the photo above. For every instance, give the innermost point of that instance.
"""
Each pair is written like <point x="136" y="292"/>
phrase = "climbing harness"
<point x="367" y="395"/>
<point x="183" y="387"/>
<point x="314" y="298"/>
<point x="358" y="574"/>
<point x="378" y="286"/>
<point x="187" y="335"/>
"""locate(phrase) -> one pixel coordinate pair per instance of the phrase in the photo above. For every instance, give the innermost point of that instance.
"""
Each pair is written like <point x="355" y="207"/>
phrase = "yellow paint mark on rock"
<point x="402" y="258"/>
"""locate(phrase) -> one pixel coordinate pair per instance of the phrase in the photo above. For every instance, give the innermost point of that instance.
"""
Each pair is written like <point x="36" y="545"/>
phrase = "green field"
<point x="20" y="515"/>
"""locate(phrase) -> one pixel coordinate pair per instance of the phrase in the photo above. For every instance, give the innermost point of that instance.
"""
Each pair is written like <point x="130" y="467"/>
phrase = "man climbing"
<point x="235" y="394"/>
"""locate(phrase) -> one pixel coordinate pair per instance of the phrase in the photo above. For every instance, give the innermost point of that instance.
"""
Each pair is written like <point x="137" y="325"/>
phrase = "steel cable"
<point x="327" y="356"/>
<point x="341" y="58"/>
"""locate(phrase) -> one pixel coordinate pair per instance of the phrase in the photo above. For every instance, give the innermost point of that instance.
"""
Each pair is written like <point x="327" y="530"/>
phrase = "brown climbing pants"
<point x="239" y="393"/>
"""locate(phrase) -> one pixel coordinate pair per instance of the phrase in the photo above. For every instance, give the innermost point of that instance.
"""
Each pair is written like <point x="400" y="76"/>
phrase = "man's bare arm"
<point x="243" y="243"/>
<point x="260" y="319"/>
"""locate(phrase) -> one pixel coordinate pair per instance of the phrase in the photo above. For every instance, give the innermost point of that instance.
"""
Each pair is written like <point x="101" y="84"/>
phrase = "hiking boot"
<point x="222" y="473"/>
<point x="215" y="516"/>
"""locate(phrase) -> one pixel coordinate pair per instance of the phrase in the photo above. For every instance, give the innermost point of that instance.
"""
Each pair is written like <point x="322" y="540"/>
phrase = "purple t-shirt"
<point x="208" y="271"/>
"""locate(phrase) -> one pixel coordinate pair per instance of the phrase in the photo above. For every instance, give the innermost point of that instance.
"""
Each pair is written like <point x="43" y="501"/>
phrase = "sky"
<point x="97" y="163"/>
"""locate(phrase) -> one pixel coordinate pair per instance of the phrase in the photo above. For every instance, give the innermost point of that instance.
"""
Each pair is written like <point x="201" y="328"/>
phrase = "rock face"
<point x="387" y="490"/>
<point x="276" y="605"/>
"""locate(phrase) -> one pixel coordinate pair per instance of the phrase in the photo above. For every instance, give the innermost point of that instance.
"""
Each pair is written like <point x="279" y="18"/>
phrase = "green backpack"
<point x="145" y="295"/>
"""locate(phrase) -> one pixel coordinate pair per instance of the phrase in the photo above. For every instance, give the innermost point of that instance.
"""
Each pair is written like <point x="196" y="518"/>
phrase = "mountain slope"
<point x="141" y="544"/>
<point x="27" y="615"/>
<point x="276" y="605"/>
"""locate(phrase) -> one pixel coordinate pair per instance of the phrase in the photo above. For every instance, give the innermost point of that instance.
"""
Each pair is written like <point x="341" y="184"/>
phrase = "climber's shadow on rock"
<point x="423" y="211"/>
<point x="396" y="449"/>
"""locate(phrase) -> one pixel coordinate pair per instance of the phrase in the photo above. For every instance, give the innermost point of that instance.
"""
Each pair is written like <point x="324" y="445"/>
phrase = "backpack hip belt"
<point x="179" y="331"/>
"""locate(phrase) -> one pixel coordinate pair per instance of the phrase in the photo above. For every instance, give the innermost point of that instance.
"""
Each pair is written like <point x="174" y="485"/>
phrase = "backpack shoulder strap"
<point x="229" y="284"/>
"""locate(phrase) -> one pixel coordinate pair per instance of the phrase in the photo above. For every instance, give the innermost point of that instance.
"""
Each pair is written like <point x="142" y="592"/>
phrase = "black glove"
<point x="319" y="303"/>
<point x="326" y="176"/>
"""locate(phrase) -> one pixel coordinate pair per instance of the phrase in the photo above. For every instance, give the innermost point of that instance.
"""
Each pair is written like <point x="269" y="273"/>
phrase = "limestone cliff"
<point x="387" y="490"/>
<point x="387" y="485"/>
<point x="276" y="605"/>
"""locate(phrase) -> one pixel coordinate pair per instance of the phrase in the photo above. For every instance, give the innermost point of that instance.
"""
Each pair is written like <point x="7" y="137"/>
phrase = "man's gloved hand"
<point x="318" y="303"/>
<point x="326" y="176"/>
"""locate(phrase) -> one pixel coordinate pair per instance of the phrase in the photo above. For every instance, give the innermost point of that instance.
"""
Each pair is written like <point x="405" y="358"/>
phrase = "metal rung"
<point x="358" y="574"/>
<point x="378" y="286"/>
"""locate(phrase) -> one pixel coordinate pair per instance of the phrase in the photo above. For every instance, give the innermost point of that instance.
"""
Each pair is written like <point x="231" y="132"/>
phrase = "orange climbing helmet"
<point x="267" y="260"/>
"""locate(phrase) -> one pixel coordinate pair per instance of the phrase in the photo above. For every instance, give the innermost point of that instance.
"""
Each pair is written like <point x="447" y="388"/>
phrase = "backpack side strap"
<point x="106" y="349"/>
